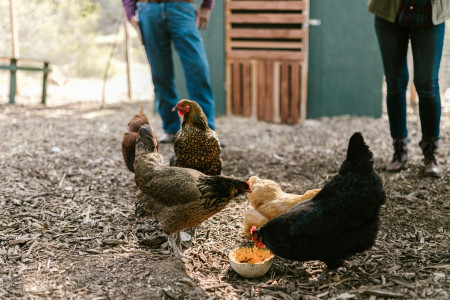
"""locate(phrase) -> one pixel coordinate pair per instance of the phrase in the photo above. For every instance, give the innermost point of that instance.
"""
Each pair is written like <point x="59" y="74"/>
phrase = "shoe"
<point x="429" y="148"/>
<point x="167" y="138"/>
<point x="400" y="157"/>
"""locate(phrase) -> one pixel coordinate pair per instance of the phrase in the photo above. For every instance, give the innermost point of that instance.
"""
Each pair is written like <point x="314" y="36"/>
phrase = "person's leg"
<point x="157" y="41"/>
<point x="427" y="44"/>
<point x="393" y="41"/>
<point x="189" y="45"/>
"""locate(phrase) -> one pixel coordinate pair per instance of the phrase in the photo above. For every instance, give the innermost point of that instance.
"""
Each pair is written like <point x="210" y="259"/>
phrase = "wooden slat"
<point x="284" y="92"/>
<point x="303" y="89"/>
<point x="266" y="33"/>
<point x="269" y="45"/>
<point x="269" y="92"/>
<point x="262" y="5"/>
<point x="295" y="96"/>
<point x="254" y="96"/>
<point x="236" y="88"/>
<point x="266" y="18"/>
<point x="261" y="89"/>
<point x="246" y="89"/>
<point x="228" y="87"/>
<point x="276" y="92"/>
<point x="304" y="71"/>
<point x="261" y="54"/>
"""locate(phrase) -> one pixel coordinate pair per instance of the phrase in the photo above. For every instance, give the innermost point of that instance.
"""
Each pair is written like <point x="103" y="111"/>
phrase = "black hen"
<point x="340" y="221"/>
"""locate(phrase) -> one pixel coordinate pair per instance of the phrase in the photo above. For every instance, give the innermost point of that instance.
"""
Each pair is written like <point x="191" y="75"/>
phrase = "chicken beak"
<point x="175" y="108"/>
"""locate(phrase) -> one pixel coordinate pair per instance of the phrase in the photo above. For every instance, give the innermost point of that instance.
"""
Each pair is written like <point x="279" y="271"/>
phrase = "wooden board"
<point x="268" y="113"/>
<point x="266" y="33"/>
<point x="276" y="92"/>
<point x="236" y="88"/>
<point x="266" y="5"/>
<point x="261" y="89"/>
<point x="284" y="92"/>
<point x="295" y="95"/>
<point x="272" y="45"/>
<point x="246" y="89"/>
<point x="262" y="54"/>
<point x="266" y="18"/>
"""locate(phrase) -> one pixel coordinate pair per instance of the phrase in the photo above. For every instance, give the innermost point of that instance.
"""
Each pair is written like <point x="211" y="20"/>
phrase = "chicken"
<point x="129" y="138"/>
<point x="269" y="201"/>
<point x="340" y="221"/>
<point x="178" y="197"/>
<point x="196" y="145"/>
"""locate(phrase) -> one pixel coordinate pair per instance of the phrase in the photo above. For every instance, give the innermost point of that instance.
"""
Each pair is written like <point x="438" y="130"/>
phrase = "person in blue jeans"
<point x="396" y="24"/>
<point x="161" y="23"/>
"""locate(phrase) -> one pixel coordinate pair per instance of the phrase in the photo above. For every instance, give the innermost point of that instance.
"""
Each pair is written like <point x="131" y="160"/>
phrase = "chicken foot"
<point x="176" y="251"/>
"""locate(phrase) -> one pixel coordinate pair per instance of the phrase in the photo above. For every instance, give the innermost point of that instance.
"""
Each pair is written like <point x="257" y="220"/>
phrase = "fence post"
<point x="12" y="82"/>
<point x="44" y="84"/>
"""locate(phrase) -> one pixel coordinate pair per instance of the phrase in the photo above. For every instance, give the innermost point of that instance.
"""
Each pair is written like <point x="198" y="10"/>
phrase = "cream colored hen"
<point x="269" y="201"/>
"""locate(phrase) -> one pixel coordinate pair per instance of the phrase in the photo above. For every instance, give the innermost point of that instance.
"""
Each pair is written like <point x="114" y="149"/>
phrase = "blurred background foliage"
<point x="75" y="36"/>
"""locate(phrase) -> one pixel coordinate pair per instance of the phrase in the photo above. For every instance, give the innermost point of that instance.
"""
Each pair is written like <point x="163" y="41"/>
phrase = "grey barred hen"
<point x="178" y="197"/>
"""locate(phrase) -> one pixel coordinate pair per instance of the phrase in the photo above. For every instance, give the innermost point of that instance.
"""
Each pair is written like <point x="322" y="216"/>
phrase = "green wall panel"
<point x="345" y="69"/>
<point x="214" y="39"/>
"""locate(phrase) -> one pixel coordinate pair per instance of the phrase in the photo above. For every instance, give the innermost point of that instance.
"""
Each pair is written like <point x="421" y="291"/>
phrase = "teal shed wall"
<point x="345" y="68"/>
<point x="214" y="40"/>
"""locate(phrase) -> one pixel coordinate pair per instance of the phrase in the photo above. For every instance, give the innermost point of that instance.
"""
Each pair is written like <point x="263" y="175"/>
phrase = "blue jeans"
<point x="161" y="24"/>
<point x="426" y="45"/>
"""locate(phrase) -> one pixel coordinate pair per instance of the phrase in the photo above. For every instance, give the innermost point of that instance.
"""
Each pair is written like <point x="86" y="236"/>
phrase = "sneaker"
<point x="167" y="137"/>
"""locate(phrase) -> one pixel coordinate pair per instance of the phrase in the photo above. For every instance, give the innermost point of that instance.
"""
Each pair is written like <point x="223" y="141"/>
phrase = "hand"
<point x="202" y="19"/>
<point x="134" y="21"/>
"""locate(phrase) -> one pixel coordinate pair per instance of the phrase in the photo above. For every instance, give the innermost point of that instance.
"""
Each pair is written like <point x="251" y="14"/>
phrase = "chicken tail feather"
<point x="147" y="141"/>
<point x="359" y="157"/>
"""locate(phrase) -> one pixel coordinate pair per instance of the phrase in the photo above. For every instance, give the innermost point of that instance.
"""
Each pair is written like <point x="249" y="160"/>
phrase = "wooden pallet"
<point x="266" y="59"/>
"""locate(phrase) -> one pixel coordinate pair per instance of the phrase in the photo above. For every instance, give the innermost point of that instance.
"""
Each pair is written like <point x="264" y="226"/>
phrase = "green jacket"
<point x="387" y="9"/>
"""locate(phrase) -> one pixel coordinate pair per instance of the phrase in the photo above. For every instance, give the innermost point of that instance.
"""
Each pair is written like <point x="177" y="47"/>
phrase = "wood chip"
<point x="383" y="293"/>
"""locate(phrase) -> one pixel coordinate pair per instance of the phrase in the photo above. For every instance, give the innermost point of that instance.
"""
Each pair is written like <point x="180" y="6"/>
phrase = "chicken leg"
<point x="176" y="251"/>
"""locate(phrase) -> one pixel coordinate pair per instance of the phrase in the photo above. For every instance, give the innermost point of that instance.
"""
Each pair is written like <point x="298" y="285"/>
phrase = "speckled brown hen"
<point x="130" y="137"/>
<point x="196" y="145"/>
<point x="178" y="197"/>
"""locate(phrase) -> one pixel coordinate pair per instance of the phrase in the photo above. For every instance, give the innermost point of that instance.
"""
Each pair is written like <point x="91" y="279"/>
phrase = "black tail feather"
<point x="358" y="149"/>
<point x="359" y="157"/>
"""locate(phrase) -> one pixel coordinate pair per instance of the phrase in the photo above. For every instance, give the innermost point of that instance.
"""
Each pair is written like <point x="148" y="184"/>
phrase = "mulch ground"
<point x="68" y="230"/>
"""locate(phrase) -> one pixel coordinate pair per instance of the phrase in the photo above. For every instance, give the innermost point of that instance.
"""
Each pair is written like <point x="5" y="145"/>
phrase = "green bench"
<point x="13" y="67"/>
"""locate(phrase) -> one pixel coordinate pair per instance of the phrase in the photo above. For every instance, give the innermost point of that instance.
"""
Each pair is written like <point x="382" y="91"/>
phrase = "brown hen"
<point x="178" y="197"/>
<point x="130" y="137"/>
<point x="196" y="145"/>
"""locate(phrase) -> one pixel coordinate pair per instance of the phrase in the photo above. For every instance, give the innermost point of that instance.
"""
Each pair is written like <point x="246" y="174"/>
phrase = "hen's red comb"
<point x="249" y="186"/>
<point x="252" y="229"/>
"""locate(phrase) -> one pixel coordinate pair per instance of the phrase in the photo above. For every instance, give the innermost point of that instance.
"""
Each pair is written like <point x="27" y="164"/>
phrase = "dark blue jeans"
<point x="426" y="45"/>
<point x="162" y="24"/>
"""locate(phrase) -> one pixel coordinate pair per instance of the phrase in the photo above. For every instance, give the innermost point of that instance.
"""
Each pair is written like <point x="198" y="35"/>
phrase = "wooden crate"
<point x="266" y="59"/>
